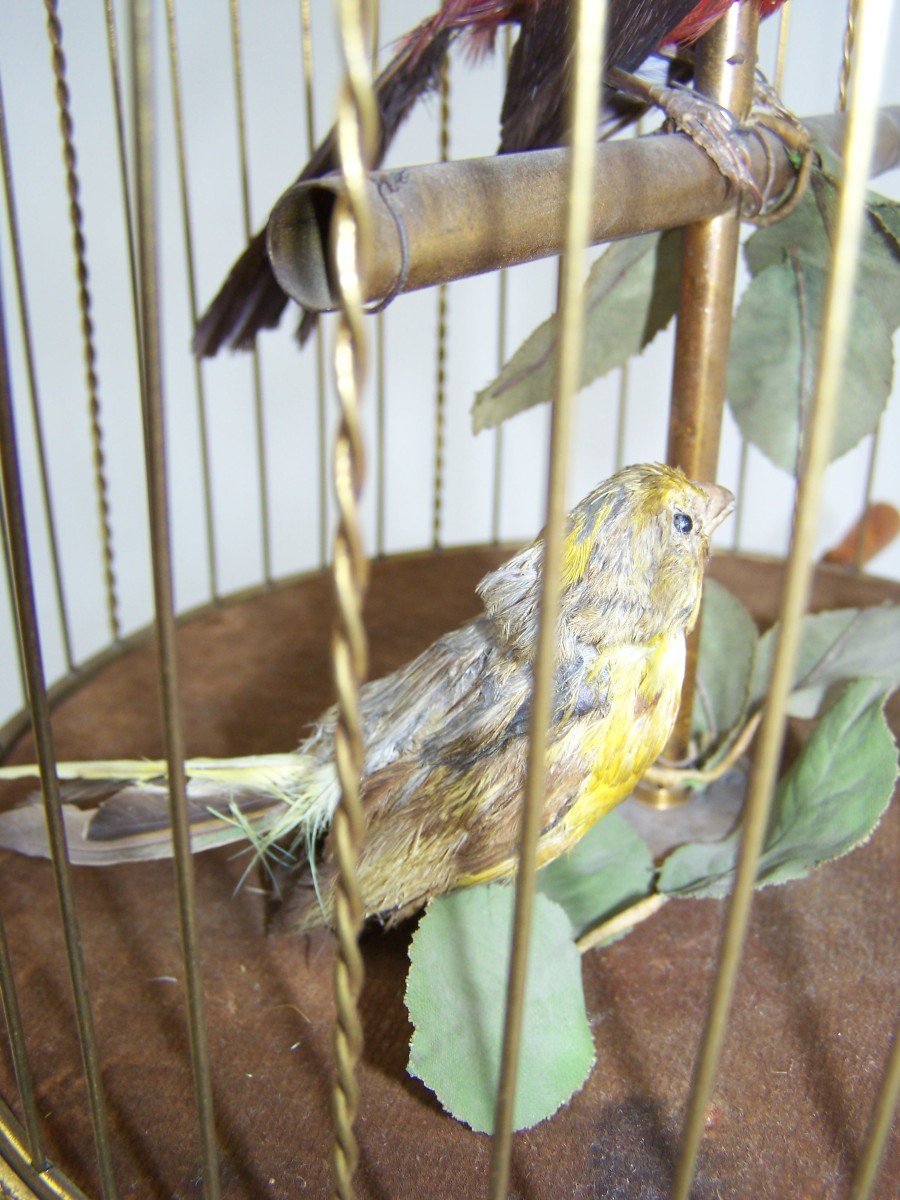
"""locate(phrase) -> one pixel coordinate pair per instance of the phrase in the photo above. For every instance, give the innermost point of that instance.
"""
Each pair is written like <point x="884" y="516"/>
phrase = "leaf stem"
<point x="622" y="922"/>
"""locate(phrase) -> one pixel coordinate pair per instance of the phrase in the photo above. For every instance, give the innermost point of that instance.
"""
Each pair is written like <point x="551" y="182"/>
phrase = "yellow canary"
<point x="446" y="736"/>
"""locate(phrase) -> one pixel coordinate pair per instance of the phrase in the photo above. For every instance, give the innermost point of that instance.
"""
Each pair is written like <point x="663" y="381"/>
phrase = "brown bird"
<point x="533" y="116"/>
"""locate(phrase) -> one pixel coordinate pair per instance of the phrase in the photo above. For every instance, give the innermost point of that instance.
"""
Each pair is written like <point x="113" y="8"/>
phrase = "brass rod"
<point x="11" y="601"/>
<point x="621" y="414"/>
<point x="32" y="656"/>
<point x="48" y="1183"/>
<point x="188" y="238"/>
<point x="740" y="491"/>
<point x="152" y="402"/>
<point x="440" y="382"/>
<point x="880" y="1125"/>
<point x="85" y="306"/>
<point x="380" y="374"/>
<point x="588" y="55"/>
<point x="308" y="59"/>
<point x="115" y="73"/>
<point x="784" y="34"/>
<point x="726" y="73"/>
<point x="262" y="467"/>
<point x="9" y="1005"/>
<point x="33" y="395"/>
<point x="464" y="218"/>
<point x="873" y="20"/>
<point x="357" y="130"/>
<point x="502" y="324"/>
<point x="847" y="53"/>
<point x="497" y="482"/>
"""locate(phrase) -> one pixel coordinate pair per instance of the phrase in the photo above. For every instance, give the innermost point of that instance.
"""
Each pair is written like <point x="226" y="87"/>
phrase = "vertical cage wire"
<point x="85" y="305"/>
<point x="440" y="382"/>
<point x="190" y="270"/>
<point x="880" y="1126"/>
<point x="502" y="322"/>
<point x="29" y="641"/>
<point x="307" y="58"/>
<point x="865" y="80"/>
<point x="357" y="132"/>
<point x="262" y="466"/>
<point x="589" y="33"/>
<point x="152" y="402"/>
<point x="740" y="491"/>
<point x="33" y="395"/>
<point x="9" y="1007"/>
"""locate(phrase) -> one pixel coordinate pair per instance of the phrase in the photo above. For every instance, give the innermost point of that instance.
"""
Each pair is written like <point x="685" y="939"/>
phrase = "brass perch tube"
<point x="443" y="221"/>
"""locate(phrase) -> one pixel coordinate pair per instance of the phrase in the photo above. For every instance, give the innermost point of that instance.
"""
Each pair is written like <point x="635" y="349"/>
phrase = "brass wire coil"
<point x="357" y="133"/>
<point x="85" y="304"/>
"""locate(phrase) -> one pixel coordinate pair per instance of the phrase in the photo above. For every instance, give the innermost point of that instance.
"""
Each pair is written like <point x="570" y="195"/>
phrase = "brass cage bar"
<point x="859" y="138"/>
<point x="188" y="239"/>
<point x="32" y="657"/>
<point x="880" y="1125"/>
<point x="33" y="394"/>
<point x="440" y="381"/>
<point x="9" y="1006"/>
<point x="241" y="122"/>
<point x="307" y="59"/>
<point x="589" y="35"/>
<point x="143" y="78"/>
<point x="357" y="131"/>
<point x="85" y="306"/>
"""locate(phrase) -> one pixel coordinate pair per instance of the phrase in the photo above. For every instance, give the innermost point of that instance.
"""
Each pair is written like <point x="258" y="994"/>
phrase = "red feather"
<point x="705" y="15"/>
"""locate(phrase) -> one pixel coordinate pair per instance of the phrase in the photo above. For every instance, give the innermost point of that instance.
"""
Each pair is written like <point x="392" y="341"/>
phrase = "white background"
<point x="277" y="145"/>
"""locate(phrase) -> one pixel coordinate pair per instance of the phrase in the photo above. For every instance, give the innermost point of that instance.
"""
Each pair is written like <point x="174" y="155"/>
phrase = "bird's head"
<point x="634" y="554"/>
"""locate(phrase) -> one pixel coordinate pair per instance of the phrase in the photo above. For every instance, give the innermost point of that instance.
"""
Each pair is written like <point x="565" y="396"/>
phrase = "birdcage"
<point x="174" y="589"/>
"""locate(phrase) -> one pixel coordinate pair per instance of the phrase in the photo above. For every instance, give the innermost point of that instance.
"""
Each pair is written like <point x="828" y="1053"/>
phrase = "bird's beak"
<point x="719" y="505"/>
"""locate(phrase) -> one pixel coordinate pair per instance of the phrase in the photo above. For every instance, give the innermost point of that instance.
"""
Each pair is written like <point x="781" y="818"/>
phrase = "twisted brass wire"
<point x="307" y="59"/>
<point x="85" y="305"/>
<point x="847" y="45"/>
<point x="588" y="55"/>
<point x="784" y="27"/>
<point x="188" y="238"/>
<point x="357" y="133"/>
<point x="33" y="396"/>
<point x="152" y="405"/>
<point x="261" y="459"/>
<point x="864" y="86"/>
<point x="440" y="389"/>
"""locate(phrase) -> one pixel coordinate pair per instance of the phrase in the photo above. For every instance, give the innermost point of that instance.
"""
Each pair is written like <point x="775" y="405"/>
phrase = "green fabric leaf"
<point x="727" y="648"/>
<point x="606" y="871"/>
<point x="886" y="216"/>
<point x="774" y="359"/>
<point x="836" y="646"/>
<point x="828" y="802"/>
<point x="631" y="293"/>
<point x="808" y="233"/>
<point x="456" y="997"/>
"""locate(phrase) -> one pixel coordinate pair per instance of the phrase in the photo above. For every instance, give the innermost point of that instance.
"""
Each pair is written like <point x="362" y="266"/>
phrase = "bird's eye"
<point x="682" y="522"/>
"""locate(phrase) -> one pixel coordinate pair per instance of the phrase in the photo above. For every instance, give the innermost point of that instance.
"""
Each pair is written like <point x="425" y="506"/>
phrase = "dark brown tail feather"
<point x="250" y="298"/>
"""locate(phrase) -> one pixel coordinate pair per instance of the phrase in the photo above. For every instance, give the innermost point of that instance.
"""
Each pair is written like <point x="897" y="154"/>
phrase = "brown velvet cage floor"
<point x="807" y="1039"/>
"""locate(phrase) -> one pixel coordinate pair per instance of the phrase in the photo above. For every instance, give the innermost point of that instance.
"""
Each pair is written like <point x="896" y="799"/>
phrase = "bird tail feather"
<point x="118" y="810"/>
